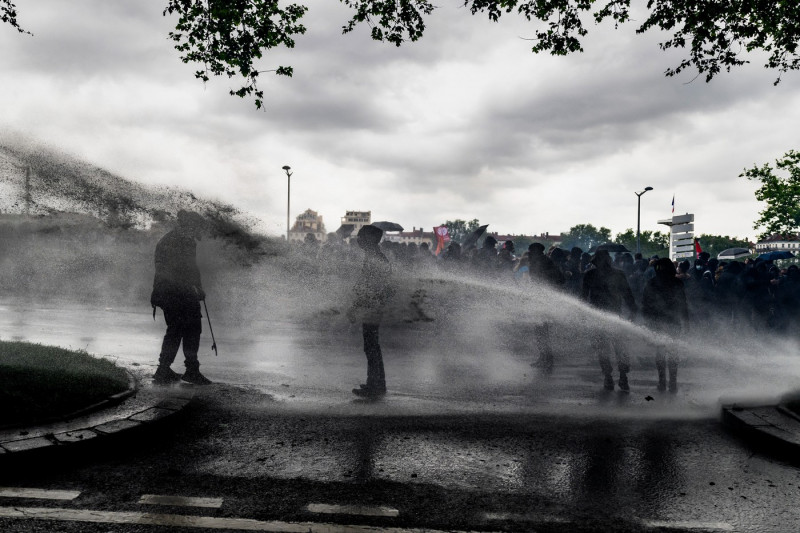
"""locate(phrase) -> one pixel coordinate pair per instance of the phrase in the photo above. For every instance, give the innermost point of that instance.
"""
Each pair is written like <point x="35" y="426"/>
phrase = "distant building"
<point x="307" y="222"/>
<point x="416" y="236"/>
<point x="352" y="221"/>
<point x="773" y="243"/>
<point x="521" y="242"/>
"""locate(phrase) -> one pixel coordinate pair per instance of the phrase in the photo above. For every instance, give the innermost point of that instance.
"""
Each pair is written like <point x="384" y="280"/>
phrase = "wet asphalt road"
<point x="458" y="444"/>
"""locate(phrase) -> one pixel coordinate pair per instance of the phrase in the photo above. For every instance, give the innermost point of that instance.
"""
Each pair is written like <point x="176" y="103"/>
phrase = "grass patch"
<point x="42" y="382"/>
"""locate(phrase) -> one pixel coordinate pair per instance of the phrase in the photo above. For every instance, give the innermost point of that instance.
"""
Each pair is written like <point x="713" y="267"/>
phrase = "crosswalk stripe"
<point x="207" y="522"/>
<point x="517" y="517"/>
<point x="360" y="510"/>
<point x="688" y="524"/>
<point x="180" y="501"/>
<point x="38" y="494"/>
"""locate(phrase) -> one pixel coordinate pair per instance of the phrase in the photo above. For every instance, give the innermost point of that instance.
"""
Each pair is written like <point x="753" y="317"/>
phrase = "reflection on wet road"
<point x="530" y="444"/>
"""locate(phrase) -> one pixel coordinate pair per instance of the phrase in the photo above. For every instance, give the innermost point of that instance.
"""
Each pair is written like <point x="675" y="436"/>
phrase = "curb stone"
<point x="137" y="407"/>
<point x="771" y="425"/>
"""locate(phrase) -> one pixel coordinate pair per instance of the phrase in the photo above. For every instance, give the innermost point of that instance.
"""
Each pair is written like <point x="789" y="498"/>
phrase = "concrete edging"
<point x="772" y="426"/>
<point x="79" y="426"/>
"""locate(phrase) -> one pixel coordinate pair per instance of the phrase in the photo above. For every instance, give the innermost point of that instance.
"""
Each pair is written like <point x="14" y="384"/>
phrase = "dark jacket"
<point x="542" y="269"/>
<point x="664" y="303"/>
<point x="373" y="288"/>
<point x="606" y="288"/>
<point x="177" y="278"/>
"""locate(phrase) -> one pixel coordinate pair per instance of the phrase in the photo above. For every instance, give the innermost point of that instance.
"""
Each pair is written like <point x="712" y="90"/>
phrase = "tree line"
<point x="585" y="236"/>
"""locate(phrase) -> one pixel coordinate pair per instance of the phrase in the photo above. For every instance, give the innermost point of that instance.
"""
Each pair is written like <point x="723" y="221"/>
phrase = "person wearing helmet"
<point x="178" y="291"/>
<point x="372" y="291"/>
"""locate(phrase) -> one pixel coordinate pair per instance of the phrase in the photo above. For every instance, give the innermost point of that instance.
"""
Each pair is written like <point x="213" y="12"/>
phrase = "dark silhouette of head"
<point x="665" y="269"/>
<point x="536" y="248"/>
<point x="192" y="223"/>
<point x="489" y="242"/>
<point x="602" y="259"/>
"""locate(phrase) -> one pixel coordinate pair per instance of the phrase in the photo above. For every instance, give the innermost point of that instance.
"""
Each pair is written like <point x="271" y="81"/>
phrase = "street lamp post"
<point x="286" y="169"/>
<point x="638" y="217"/>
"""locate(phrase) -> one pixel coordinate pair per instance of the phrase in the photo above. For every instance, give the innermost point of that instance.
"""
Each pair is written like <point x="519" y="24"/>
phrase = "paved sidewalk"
<point x="141" y="406"/>
<point x="773" y="426"/>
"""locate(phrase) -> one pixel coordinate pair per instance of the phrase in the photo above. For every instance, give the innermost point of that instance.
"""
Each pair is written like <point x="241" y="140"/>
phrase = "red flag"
<point x="441" y="238"/>
<point x="697" y="247"/>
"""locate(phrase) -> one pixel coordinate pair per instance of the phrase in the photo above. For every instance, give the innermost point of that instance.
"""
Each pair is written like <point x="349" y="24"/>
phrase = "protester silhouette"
<point x="543" y="271"/>
<point x="371" y="292"/>
<point x="178" y="291"/>
<point x="607" y="288"/>
<point x="665" y="310"/>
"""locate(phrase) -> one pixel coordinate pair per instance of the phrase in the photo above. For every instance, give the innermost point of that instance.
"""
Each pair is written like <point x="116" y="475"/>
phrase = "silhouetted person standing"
<point x="178" y="291"/>
<point x="371" y="291"/>
<point x="607" y="288"/>
<point x="543" y="271"/>
<point x="665" y="309"/>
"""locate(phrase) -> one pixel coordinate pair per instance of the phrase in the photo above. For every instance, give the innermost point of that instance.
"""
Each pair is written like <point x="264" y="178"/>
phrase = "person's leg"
<point x="376" y="377"/>
<point x="191" y="328"/>
<point x="600" y="344"/>
<point x="544" y="345"/>
<point x="169" y="350"/>
<point x="672" y="366"/>
<point x="623" y="363"/>
<point x="661" y="366"/>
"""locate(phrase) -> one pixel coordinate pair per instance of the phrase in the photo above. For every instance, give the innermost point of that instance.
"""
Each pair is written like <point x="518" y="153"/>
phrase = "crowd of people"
<point x="669" y="296"/>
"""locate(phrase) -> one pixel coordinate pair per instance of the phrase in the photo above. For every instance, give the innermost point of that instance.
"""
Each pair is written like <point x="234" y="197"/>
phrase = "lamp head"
<point x="648" y="188"/>
<point x="286" y="168"/>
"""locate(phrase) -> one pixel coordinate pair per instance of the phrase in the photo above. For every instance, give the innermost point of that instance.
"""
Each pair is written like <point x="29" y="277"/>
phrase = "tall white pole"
<point x="287" y="168"/>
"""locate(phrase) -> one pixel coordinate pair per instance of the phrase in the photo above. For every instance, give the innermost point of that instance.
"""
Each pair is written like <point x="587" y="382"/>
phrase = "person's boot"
<point x="164" y="375"/>
<point x="370" y="390"/>
<point x="608" y="382"/>
<point x="194" y="376"/>
<point x="623" y="382"/>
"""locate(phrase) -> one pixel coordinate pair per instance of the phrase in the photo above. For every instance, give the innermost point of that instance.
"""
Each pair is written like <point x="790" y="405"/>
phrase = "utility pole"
<point x="286" y="169"/>
<point x="639" y="217"/>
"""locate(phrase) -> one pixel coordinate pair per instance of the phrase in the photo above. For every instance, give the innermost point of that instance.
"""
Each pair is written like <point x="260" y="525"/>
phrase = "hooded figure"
<point x="607" y="288"/>
<point x="178" y="291"/>
<point x="372" y="290"/>
<point x="664" y="308"/>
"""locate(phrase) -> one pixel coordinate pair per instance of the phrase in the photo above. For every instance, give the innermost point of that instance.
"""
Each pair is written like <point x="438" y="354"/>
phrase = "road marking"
<point x="207" y="522"/>
<point x="39" y="494"/>
<point x="181" y="501"/>
<point x="360" y="510"/>
<point x="516" y="517"/>
<point x="688" y="524"/>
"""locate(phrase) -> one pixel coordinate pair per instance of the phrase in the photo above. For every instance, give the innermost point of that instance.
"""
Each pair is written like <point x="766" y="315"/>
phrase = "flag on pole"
<point x="673" y="204"/>
<point x="697" y="248"/>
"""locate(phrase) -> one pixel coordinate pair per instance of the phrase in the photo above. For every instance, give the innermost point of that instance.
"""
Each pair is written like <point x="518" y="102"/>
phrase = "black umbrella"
<point x="778" y="254"/>
<point x="610" y="247"/>
<point x="733" y="253"/>
<point x="473" y="237"/>
<point x="388" y="226"/>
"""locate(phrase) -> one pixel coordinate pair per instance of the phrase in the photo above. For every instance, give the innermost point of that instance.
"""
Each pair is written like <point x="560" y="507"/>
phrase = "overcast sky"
<point x="466" y="123"/>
